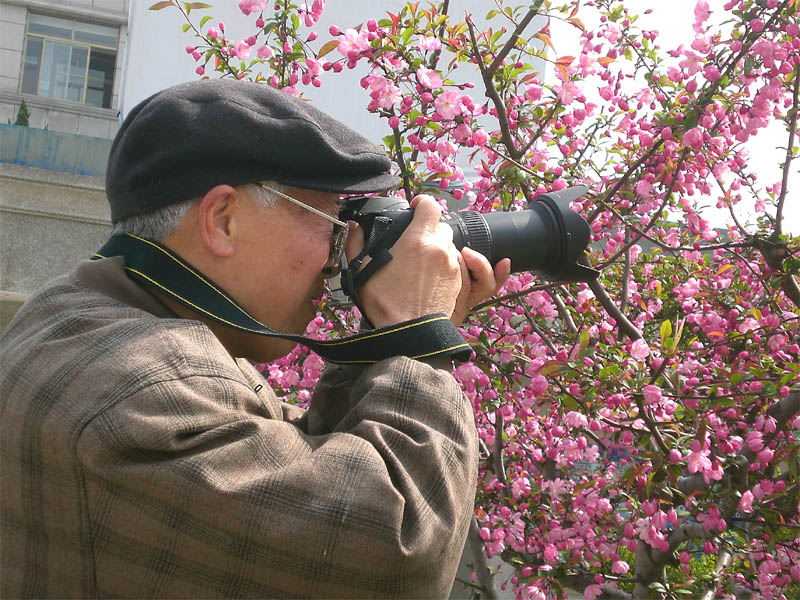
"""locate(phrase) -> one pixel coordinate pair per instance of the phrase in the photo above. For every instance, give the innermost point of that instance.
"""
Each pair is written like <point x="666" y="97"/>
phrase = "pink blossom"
<point x="448" y="104"/>
<point x="520" y="487"/>
<point x="429" y="43"/>
<point x="701" y="13"/>
<point x="693" y="138"/>
<point x="445" y="148"/>
<point x="385" y="93"/>
<point x="593" y="592"/>
<point x="754" y="441"/>
<point x="568" y="93"/>
<point x="241" y="50"/>
<point x="480" y="137"/>
<point x="692" y="63"/>
<point x="550" y="554"/>
<point x="652" y="394"/>
<point x="314" y="67"/>
<point x="311" y="15"/>
<point x="620" y="567"/>
<point x="353" y="43"/>
<point x="533" y="92"/>
<point x="429" y="78"/>
<point x="252" y="6"/>
<point x="698" y="461"/>
<point x="640" y="350"/>
<point x="712" y="73"/>
<point x="538" y="385"/>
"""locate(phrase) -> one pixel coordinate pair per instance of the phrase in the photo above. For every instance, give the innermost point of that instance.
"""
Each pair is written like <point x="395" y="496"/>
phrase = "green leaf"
<point x="160" y="5"/>
<point x="185" y="27"/>
<point x="666" y="330"/>
<point x="584" y="341"/>
<point x="194" y="5"/>
<point x="569" y="402"/>
<point x="204" y="20"/>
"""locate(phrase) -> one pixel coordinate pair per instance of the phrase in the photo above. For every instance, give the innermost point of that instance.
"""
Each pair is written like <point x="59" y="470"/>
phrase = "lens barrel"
<point x="547" y="237"/>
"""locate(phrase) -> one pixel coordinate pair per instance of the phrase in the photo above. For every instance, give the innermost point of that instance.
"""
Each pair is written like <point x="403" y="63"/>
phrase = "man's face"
<point x="285" y="262"/>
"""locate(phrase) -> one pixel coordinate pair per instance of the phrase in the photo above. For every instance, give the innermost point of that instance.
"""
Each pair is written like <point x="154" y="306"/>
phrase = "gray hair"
<point x="159" y="224"/>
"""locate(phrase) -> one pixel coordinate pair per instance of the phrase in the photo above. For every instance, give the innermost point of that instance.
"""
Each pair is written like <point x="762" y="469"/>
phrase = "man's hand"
<point x="478" y="281"/>
<point x="427" y="274"/>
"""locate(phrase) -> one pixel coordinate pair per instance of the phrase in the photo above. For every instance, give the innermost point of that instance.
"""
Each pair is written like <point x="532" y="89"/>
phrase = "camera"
<point x="547" y="237"/>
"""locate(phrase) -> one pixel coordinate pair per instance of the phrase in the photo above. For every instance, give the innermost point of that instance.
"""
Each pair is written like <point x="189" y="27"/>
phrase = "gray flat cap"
<point x="182" y="141"/>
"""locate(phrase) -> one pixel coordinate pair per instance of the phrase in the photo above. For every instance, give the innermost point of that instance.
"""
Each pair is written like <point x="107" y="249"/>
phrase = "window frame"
<point x="43" y="38"/>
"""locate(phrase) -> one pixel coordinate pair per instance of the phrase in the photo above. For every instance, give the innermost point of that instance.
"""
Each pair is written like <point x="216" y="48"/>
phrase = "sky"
<point x="674" y="20"/>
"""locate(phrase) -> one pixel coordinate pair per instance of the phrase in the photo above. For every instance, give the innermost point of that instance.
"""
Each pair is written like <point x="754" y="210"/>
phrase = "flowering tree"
<point x="640" y="434"/>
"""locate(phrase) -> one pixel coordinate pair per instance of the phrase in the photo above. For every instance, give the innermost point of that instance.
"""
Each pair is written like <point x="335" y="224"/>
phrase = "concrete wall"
<point x="58" y="115"/>
<point x="49" y="221"/>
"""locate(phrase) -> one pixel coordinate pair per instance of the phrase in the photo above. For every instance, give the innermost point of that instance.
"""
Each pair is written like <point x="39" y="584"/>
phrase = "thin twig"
<point x="789" y="153"/>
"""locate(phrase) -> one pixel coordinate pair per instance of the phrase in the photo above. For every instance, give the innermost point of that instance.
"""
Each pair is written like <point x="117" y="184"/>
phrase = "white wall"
<point x="157" y="58"/>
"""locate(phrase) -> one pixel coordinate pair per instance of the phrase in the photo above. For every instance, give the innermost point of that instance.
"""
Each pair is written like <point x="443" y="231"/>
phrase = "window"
<point x="69" y="60"/>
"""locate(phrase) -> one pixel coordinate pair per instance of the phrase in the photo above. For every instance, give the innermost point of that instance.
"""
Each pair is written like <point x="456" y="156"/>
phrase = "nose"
<point x="331" y="271"/>
<point x="332" y="268"/>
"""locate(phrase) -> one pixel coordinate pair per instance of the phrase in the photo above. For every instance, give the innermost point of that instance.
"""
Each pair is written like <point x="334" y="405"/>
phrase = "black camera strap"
<point x="376" y="247"/>
<point x="158" y="268"/>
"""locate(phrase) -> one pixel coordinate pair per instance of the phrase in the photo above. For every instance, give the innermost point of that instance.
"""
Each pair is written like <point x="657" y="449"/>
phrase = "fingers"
<point x="502" y="271"/>
<point x="480" y="271"/>
<point x="427" y="213"/>
<point x="355" y="240"/>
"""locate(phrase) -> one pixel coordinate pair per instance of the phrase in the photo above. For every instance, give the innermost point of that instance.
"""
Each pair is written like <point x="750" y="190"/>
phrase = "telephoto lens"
<point x="547" y="237"/>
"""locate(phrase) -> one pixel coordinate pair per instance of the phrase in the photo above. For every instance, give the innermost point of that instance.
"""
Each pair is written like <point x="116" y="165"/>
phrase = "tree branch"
<point x="480" y="561"/>
<point x="625" y="325"/>
<point x="491" y="93"/>
<point x="512" y="41"/>
<point x="789" y="153"/>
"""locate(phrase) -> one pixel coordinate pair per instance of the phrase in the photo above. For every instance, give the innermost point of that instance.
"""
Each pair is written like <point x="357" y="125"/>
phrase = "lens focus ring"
<point x="473" y="229"/>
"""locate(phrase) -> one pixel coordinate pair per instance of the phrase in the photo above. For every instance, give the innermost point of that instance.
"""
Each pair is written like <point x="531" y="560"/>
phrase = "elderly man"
<point x="142" y="453"/>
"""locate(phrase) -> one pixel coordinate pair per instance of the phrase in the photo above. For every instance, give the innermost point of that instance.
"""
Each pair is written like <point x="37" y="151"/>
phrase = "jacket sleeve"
<point x="193" y="491"/>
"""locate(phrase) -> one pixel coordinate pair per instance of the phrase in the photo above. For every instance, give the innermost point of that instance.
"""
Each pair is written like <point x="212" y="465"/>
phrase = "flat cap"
<point x="182" y="141"/>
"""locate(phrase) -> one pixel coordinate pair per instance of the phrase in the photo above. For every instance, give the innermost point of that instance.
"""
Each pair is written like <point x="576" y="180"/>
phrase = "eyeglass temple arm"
<point x="325" y="216"/>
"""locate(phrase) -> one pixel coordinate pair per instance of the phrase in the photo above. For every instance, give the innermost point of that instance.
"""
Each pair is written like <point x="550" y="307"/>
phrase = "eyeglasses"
<point x="338" y="236"/>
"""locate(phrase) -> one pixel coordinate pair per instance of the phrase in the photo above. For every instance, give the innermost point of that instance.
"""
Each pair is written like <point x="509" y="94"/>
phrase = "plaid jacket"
<point x="140" y="460"/>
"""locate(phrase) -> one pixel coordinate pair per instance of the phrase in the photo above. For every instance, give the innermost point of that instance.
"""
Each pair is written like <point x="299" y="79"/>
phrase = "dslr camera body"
<point x="547" y="237"/>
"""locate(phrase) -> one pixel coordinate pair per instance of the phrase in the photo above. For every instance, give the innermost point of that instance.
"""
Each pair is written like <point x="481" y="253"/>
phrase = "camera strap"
<point x="376" y="247"/>
<point x="156" y="267"/>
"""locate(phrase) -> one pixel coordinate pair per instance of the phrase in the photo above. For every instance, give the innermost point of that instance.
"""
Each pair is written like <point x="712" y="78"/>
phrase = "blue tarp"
<point x="53" y="150"/>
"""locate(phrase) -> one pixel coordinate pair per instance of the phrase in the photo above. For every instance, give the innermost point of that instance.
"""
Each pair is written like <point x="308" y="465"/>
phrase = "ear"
<point x="217" y="219"/>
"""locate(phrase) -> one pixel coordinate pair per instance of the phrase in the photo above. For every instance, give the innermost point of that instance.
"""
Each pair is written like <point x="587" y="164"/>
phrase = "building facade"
<point x="65" y="59"/>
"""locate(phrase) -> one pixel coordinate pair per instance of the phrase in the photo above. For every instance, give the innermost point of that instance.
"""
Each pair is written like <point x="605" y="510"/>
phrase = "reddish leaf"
<point x="327" y="48"/>
<point x="160" y="5"/>
<point x="577" y="22"/>
<point x="546" y="39"/>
